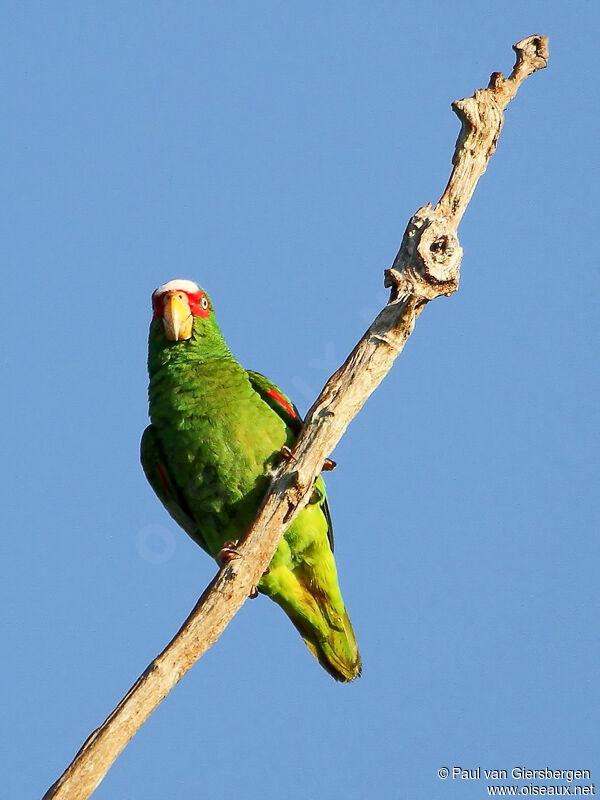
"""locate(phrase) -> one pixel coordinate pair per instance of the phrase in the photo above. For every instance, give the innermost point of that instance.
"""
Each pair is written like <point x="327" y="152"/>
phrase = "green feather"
<point x="216" y="433"/>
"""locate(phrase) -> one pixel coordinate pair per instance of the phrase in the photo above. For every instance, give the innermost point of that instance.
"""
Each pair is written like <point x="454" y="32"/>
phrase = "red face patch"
<point x="199" y="305"/>
<point x="198" y="302"/>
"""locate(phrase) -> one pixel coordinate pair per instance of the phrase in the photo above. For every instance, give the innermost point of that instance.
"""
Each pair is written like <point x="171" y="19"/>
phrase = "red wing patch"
<point x="282" y="402"/>
<point x="163" y="477"/>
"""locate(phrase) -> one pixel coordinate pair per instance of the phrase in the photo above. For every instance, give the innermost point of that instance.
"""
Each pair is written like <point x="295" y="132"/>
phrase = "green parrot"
<point x="217" y="431"/>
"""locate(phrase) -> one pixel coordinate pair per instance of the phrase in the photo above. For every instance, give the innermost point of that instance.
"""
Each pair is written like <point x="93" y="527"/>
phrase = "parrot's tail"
<point x="323" y="624"/>
<point x="338" y="653"/>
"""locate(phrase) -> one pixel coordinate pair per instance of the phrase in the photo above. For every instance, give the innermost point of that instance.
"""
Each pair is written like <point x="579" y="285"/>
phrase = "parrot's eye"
<point x="199" y="304"/>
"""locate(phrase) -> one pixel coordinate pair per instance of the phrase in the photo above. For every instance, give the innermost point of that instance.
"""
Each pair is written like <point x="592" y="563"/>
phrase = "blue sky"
<point x="274" y="152"/>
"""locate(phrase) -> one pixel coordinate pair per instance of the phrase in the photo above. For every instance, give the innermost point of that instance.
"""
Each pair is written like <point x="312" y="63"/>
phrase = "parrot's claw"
<point x="266" y="572"/>
<point x="286" y="453"/>
<point x="227" y="553"/>
<point x="328" y="465"/>
<point x="253" y="593"/>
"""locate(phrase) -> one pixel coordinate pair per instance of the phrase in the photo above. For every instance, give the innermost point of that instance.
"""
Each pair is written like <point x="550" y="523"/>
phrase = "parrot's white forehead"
<point x="178" y="285"/>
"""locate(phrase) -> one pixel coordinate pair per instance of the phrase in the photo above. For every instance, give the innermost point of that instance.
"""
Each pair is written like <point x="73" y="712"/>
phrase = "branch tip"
<point x="532" y="51"/>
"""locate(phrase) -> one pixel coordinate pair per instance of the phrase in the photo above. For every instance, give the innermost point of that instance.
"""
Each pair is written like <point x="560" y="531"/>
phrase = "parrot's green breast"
<point x="217" y="432"/>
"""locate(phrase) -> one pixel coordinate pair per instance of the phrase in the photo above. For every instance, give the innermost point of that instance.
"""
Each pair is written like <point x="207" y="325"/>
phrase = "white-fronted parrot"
<point x="217" y="431"/>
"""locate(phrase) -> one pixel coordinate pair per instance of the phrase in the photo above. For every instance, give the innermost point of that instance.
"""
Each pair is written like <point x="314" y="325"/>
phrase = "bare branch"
<point x="426" y="267"/>
<point x="482" y="119"/>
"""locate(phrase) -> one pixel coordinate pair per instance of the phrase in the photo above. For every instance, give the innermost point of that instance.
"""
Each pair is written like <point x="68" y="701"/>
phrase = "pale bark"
<point x="426" y="267"/>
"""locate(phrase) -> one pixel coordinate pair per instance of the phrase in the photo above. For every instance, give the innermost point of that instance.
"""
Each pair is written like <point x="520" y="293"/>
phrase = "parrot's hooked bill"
<point x="217" y="431"/>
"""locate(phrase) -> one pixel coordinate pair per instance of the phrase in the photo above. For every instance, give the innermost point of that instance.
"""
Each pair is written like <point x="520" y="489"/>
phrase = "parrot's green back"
<point x="216" y="432"/>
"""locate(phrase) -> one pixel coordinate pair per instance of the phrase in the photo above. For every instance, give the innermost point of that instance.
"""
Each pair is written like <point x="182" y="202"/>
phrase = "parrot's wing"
<point x="160" y="479"/>
<point x="282" y="405"/>
<point x="274" y="397"/>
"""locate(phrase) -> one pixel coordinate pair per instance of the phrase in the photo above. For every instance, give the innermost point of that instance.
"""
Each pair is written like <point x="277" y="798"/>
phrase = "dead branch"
<point x="427" y="266"/>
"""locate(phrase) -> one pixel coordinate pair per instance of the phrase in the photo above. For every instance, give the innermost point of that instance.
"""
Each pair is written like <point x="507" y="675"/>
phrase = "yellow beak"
<point x="177" y="317"/>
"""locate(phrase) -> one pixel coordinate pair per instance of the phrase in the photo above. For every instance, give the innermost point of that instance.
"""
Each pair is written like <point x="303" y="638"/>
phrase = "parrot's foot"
<point x="227" y="553"/>
<point x="286" y="453"/>
<point x="253" y="593"/>
<point x="328" y="465"/>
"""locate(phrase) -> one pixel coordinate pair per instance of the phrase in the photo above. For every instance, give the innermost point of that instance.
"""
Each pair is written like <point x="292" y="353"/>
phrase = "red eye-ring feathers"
<point x="199" y="305"/>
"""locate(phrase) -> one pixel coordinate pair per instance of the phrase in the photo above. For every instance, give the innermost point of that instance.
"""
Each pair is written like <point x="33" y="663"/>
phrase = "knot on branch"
<point x="481" y="120"/>
<point x="428" y="262"/>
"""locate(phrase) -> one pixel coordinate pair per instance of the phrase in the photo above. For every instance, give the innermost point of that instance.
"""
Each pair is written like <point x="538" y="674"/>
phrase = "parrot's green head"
<point x="183" y="322"/>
